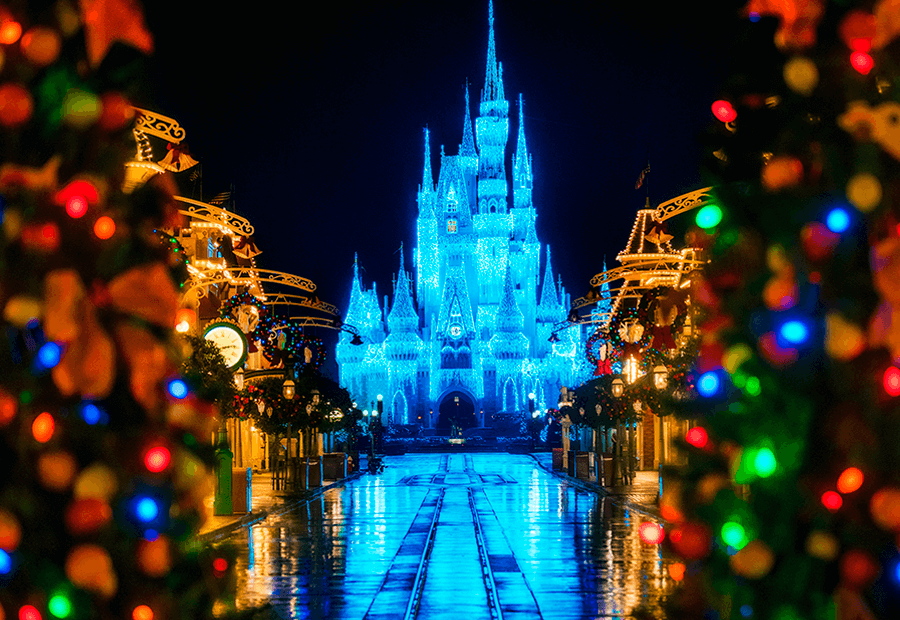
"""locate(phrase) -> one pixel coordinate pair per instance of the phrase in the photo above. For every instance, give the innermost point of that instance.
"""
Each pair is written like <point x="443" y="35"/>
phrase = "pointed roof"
<point x="549" y="307"/>
<point x="455" y="304"/>
<point x="530" y="232"/>
<point x="521" y="159"/>
<point x="467" y="148"/>
<point x="509" y="317"/>
<point x="493" y="76"/>
<point x="427" y="177"/>
<point x="403" y="316"/>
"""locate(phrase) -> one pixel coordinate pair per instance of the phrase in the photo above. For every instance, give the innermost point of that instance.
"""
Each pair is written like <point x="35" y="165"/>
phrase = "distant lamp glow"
<point x="794" y="332"/>
<point x="288" y="389"/>
<point x="709" y="384"/>
<point x="850" y="480"/>
<point x="832" y="501"/>
<point x="177" y="389"/>
<point x="660" y="377"/>
<point x="891" y="381"/>
<point x="239" y="379"/>
<point x="709" y="216"/>
<point x="838" y="220"/>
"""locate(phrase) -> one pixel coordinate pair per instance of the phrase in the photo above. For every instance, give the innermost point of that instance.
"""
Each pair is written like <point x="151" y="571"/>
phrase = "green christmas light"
<point x="764" y="463"/>
<point x="60" y="606"/>
<point x="733" y="535"/>
<point x="751" y="385"/>
<point x="709" y="216"/>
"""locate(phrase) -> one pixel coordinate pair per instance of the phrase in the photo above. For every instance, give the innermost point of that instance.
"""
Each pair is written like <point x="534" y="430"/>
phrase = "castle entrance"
<point x="456" y="411"/>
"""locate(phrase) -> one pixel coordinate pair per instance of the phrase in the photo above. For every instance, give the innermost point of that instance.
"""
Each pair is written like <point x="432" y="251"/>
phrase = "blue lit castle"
<point x="468" y="336"/>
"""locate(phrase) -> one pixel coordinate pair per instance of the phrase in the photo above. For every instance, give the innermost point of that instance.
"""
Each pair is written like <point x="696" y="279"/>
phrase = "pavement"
<point x="641" y="496"/>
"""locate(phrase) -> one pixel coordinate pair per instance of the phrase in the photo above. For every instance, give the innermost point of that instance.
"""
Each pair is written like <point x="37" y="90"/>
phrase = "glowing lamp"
<point x="697" y="437"/>
<point x="145" y="509"/>
<point x="709" y="216"/>
<point x="288" y="389"/>
<point x="10" y="31"/>
<point x="42" y="428"/>
<point x="49" y="354"/>
<point x="709" y="384"/>
<point x="838" y="220"/>
<point x="891" y="381"/>
<point x="239" y="379"/>
<point x="723" y="111"/>
<point x="59" y="606"/>
<point x="617" y="388"/>
<point x="862" y="62"/>
<point x="734" y="535"/>
<point x="219" y="566"/>
<point x="29" y="612"/>
<point x="142" y="612"/>
<point x="850" y="480"/>
<point x="177" y="389"/>
<point x="660" y="377"/>
<point x="76" y="206"/>
<point x="5" y="562"/>
<point x="157" y="458"/>
<point x="832" y="501"/>
<point x="651" y="533"/>
<point x="104" y="227"/>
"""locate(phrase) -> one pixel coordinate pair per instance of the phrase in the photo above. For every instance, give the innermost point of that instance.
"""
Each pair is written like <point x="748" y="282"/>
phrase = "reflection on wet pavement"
<point x="453" y="536"/>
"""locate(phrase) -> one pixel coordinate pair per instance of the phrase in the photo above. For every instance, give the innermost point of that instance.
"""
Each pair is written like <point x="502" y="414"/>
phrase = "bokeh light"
<point x="146" y="509"/>
<point x="76" y="206"/>
<point x="724" y="111"/>
<point x="651" y="533"/>
<point x="850" y="480"/>
<point x="697" y="437"/>
<point x="5" y="562"/>
<point x="734" y="535"/>
<point x="142" y="612"/>
<point x="709" y="384"/>
<point x="709" y="216"/>
<point x="794" y="332"/>
<point x="49" y="354"/>
<point x="43" y="426"/>
<point x="891" y="381"/>
<point x="838" y="220"/>
<point x="832" y="500"/>
<point x="764" y="463"/>
<point x="104" y="227"/>
<point x="157" y="458"/>
<point x="177" y="388"/>
<point x="862" y="62"/>
<point x="59" y="606"/>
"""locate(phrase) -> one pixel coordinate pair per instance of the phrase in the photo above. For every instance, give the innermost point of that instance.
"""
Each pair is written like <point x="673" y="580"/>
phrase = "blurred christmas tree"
<point x="103" y="448"/>
<point x="789" y="507"/>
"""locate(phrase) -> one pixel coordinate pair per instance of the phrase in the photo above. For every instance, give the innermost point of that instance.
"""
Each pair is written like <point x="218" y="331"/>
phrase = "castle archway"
<point x="457" y="409"/>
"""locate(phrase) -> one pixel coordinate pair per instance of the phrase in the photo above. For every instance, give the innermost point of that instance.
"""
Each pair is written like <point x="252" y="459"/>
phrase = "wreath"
<point x="263" y="325"/>
<point x="286" y="341"/>
<point x="595" y="349"/>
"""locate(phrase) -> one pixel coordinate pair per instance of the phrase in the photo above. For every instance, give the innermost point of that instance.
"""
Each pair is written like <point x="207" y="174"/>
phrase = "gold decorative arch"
<point x="243" y="276"/>
<point x="234" y="223"/>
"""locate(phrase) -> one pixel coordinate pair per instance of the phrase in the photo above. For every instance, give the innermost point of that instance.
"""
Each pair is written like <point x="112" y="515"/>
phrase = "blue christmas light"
<point x="708" y="384"/>
<point x="146" y="509"/>
<point x="178" y="388"/>
<point x="5" y="563"/>
<point x="746" y="611"/>
<point x="794" y="332"/>
<point x="838" y="220"/>
<point x="91" y="413"/>
<point x="49" y="355"/>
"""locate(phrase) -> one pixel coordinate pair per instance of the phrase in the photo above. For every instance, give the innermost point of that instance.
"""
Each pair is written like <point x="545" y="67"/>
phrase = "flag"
<point x="220" y="198"/>
<point x="640" y="180"/>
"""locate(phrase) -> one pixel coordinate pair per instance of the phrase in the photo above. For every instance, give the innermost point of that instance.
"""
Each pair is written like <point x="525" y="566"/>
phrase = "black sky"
<point x="316" y="116"/>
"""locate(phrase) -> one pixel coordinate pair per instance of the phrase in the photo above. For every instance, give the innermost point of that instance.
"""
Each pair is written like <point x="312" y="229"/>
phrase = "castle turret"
<point x="492" y="132"/>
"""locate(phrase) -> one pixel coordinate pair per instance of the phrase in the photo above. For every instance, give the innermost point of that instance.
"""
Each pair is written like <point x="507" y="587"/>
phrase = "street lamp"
<point x="617" y="387"/>
<point x="287" y="389"/>
<point x="239" y="379"/>
<point x="660" y="377"/>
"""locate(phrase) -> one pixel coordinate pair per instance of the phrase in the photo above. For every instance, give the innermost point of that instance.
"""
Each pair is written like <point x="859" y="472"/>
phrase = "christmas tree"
<point x="789" y="507"/>
<point x="103" y="447"/>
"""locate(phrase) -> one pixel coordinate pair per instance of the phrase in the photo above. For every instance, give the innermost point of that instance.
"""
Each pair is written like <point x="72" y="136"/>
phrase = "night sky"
<point x="316" y="118"/>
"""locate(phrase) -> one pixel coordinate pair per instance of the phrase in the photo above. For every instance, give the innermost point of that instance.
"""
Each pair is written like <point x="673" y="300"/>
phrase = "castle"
<point x="468" y="335"/>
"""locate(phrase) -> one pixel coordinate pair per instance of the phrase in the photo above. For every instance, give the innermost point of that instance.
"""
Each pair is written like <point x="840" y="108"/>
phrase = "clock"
<point x="456" y="330"/>
<point x="230" y="340"/>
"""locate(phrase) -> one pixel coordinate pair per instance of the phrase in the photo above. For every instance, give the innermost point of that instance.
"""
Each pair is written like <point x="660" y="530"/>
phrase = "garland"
<point x="263" y="326"/>
<point x="294" y="346"/>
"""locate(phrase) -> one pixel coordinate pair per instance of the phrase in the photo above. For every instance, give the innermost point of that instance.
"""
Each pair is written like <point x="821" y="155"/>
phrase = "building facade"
<point x="467" y="334"/>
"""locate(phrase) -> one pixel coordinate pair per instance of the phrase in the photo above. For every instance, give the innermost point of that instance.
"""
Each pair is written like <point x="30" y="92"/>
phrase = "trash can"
<point x="334" y="466"/>
<point x="240" y="490"/>
<point x="557" y="458"/>
<point x="609" y="469"/>
<point x="584" y="466"/>
<point x="313" y="472"/>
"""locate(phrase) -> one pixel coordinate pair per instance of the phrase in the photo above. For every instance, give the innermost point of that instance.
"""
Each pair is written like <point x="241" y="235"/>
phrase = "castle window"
<point x="451" y="226"/>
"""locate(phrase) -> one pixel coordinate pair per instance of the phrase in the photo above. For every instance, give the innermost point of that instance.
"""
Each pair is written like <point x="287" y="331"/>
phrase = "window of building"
<point x="451" y="226"/>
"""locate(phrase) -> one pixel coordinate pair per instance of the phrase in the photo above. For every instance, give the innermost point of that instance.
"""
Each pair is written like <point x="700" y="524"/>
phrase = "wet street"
<point x="453" y="536"/>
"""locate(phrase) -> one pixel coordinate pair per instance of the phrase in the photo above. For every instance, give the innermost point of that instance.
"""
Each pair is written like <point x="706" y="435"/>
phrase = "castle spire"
<point x="467" y="148"/>
<point x="549" y="306"/>
<point x="509" y="317"/>
<point x="427" y="176"/>
<point x="493" y="77"/>
<point x="521" y="150"/>
<point x="403" y="316"/>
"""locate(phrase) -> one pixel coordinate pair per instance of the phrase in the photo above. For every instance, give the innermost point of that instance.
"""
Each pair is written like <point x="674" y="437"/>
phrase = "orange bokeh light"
<point x="43" y="426"/>
<point x="850" y="480"/>
<point x="104" y="227"/>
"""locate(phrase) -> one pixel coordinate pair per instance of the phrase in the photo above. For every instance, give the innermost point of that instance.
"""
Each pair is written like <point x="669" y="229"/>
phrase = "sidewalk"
<point x="642" y="495"/>
<point x="264" y="501"/>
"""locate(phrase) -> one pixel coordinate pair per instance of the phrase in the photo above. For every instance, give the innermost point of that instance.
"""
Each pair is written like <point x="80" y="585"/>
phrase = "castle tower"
<point x="402" y="349"/>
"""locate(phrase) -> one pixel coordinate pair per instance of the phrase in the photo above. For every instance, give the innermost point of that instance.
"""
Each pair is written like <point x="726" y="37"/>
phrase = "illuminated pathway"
<point x="452" y="536"/>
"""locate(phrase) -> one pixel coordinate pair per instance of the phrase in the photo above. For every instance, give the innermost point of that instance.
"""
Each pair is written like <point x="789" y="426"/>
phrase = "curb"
<point x="253" y="518"/>
<point x="650" y="511"/>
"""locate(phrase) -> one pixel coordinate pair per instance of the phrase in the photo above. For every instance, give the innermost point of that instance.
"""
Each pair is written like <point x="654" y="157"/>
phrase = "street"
<point x="452" y="536"/>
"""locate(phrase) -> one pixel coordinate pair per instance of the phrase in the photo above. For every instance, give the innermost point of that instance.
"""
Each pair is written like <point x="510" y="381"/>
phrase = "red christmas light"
<point x="891" y="381"/>
<point x="697" y="437"/>
<point x="723" y="111"/>
<point x="651" y="533"/>
<point x="76" y="206"/>
<point x="832" y="501"/>
<point x="157" y="458"/>
<point x="862" y="62"/>
<point x="850" y="480"/>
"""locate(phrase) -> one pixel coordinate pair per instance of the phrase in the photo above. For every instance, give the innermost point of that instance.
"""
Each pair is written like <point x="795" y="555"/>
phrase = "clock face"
<point x="456" y="330"/>
<point x="231" y="342"/>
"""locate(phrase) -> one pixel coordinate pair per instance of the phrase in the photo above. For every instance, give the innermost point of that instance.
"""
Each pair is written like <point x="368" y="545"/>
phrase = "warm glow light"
<point x="724" y="111"/>
<point x="892" y="381"/>
<point x="850" y="480"/>
<point x="697" y="437"/>
<point x="10" y="31"/>
<point x="862" y="62"/>
<point x="43" y="426"/>
<point x="832" y="500"/>
<point x="104" y="227"/>
<point x="76" y="206"/>
<point x="142" y="612"/>
<point x="651" y="533"/>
